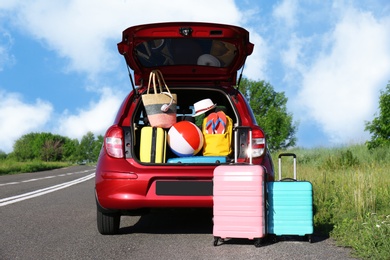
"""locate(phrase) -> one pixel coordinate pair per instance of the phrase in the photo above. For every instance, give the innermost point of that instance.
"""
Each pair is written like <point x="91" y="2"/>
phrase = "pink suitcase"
<point x="239" y="202"/>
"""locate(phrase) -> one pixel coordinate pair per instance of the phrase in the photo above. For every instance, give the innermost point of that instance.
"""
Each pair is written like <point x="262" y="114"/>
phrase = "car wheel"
<point x="108" y="223"/>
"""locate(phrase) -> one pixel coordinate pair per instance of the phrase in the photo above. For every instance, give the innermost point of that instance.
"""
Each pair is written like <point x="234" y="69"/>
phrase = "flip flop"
<point x="220" y="124"/>
<point x="211" y="123"/>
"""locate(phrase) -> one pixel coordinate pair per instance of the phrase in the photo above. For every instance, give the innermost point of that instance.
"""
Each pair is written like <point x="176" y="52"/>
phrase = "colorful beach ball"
<point x="185" y="139"/>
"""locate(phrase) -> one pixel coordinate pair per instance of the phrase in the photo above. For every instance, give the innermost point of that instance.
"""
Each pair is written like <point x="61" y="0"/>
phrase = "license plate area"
<point x="184" y="188"/>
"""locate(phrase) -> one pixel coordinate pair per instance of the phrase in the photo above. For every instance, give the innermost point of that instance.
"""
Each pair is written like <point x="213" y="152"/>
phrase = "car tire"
<point x="108" y="223"/>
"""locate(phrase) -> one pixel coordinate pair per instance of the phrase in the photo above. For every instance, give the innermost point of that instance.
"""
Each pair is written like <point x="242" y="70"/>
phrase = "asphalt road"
<point x="52" y="215"/>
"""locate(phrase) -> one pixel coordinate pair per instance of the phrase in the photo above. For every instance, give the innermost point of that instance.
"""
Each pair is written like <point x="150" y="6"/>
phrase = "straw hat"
<point x="203" y="106"/>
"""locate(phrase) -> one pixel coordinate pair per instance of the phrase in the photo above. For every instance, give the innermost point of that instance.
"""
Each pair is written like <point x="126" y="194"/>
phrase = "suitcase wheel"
<point x="273" y="238"/>
<point x="309" y="238"/>
<point x="258" y="242"/>
<point x="216" y="240"/>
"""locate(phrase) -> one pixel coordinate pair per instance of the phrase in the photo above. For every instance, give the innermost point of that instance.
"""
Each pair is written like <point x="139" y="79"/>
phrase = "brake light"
<point x="258" y="143"/>
<point x="113" y="142"/>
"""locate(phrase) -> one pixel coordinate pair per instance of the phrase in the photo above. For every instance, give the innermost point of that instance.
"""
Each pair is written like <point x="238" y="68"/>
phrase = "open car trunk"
<point x="186" y="97"/>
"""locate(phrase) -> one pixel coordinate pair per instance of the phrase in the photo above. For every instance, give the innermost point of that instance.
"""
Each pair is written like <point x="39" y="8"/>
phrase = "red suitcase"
<point x="239" y="202"/>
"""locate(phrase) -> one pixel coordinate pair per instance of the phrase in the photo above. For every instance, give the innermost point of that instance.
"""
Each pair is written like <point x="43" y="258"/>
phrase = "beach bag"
<point x="160" y="106"/>
<point x="218" y="144"/>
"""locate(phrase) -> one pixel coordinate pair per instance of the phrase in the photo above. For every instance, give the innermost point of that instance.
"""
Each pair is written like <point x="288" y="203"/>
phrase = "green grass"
<point x="351" y="195"/>
<point x="13" y="167"/>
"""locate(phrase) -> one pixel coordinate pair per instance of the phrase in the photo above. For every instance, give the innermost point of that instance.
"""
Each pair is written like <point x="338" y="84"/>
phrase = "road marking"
<point x="40" y="192"/>
<point x="22" y="181"/>
<point x="43" y="178"/>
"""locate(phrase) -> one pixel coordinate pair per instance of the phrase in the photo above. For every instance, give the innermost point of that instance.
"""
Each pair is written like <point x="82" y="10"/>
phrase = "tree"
<point x="97" y="147"/>
<point x="39" y="146"/>
<point x="70" y="150"/>
<point x="51" y="146"/>
<point x="3" y="155"/>
<point x="379" y="128"/>
<point x="269" y="108"/>
<point x="25" y="147"/>
<point x="87" y="146"/>
<point x="51" y="150"/>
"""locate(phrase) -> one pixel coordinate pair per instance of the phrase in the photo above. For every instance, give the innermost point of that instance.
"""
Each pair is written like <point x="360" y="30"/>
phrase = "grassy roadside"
<point x="13" y="167"/>
<point x="351" y="195"/>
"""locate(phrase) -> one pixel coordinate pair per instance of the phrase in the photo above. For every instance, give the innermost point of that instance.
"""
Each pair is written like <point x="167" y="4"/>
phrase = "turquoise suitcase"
<point x="290" y="205"/>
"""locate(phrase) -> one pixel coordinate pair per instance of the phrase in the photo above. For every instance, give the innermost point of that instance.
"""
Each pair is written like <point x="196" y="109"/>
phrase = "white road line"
<point x="9" y="183"/>
<point x="25" y="181"/>
<point x="43" y="178"/>
<point x="49" y="177"/>
<point x="40" y="192"/>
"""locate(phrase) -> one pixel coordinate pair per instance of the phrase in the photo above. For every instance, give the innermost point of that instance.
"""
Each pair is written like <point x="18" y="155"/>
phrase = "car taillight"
<point x="258" y="143"/>
<point x="113" y="142"/>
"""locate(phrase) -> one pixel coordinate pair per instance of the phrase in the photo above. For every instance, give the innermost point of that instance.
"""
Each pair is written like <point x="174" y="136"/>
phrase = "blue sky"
<point x="60" y="71"/>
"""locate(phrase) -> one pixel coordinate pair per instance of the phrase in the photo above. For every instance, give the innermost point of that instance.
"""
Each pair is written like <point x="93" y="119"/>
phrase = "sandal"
<point x="220" y="124"/>
<point x="211" y="123"/>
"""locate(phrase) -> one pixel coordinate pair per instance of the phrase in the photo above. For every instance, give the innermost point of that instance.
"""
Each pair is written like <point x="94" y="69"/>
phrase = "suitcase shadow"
<point x="196" y="221"/>
<point x="269" y="240"/>
<point x="314" y="238"/>
<point x="173" y="221"/>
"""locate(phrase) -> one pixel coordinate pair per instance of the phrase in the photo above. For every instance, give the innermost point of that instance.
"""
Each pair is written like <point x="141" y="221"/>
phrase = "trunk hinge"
<point x="131" y="78"/>
<point x="240" y="77"/>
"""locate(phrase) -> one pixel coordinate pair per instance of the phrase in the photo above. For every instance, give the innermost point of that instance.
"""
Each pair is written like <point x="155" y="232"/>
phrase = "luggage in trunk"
<point x="153" y="145"/>
<point x="290" y="205"/>
<point x="198" y="159"/>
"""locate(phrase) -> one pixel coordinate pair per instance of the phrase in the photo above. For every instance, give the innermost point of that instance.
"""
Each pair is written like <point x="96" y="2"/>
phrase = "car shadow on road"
<point x="173" y="221"/>
<point x="193" y="221"/>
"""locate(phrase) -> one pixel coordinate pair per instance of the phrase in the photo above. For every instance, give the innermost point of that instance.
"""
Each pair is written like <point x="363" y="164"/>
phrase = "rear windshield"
<point x="184" y="51"/>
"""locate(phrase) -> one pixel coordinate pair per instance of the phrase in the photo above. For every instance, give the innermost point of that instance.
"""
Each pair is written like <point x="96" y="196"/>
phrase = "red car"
<point x="198" y="61"/>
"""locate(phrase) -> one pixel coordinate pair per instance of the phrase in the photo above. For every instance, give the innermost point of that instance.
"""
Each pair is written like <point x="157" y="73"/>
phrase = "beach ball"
<point x="185" y="139"/>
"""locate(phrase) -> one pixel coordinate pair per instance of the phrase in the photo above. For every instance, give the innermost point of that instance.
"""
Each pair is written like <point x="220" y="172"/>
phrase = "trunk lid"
<point x="186" y="52"/>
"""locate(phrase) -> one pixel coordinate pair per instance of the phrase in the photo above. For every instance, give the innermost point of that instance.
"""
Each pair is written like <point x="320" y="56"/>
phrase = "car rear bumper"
<point x="123" y="195"/>
<point x="171" y="188"/>
<point x="127" y="185"/>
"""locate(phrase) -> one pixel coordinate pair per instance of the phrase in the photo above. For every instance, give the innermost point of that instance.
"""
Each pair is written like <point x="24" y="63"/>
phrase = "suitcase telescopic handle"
<point x="280" y="163"/>
<point x="287" y="154"/>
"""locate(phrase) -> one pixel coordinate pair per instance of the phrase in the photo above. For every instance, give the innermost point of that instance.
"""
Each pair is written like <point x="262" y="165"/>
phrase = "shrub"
<point x="342" y="160"/>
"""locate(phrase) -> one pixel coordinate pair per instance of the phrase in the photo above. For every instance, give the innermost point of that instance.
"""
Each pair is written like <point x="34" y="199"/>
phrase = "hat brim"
<point x="204" y="111"/>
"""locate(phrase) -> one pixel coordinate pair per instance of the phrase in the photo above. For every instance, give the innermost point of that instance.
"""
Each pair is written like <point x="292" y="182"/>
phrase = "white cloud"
<point x="292" y="57"/>
<point x="257" y="61"/>
<point x="18" y="118"/>
<point x="286" y="12"/>
<point x="6" y="42"/>
<point x="341" y="87"/>
<point x="6" y="4"/>
<point x="97" y="117"/>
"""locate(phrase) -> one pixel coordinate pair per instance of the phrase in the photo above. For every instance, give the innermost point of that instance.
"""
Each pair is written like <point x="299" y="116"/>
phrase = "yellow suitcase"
<point x="153" y="145"/>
